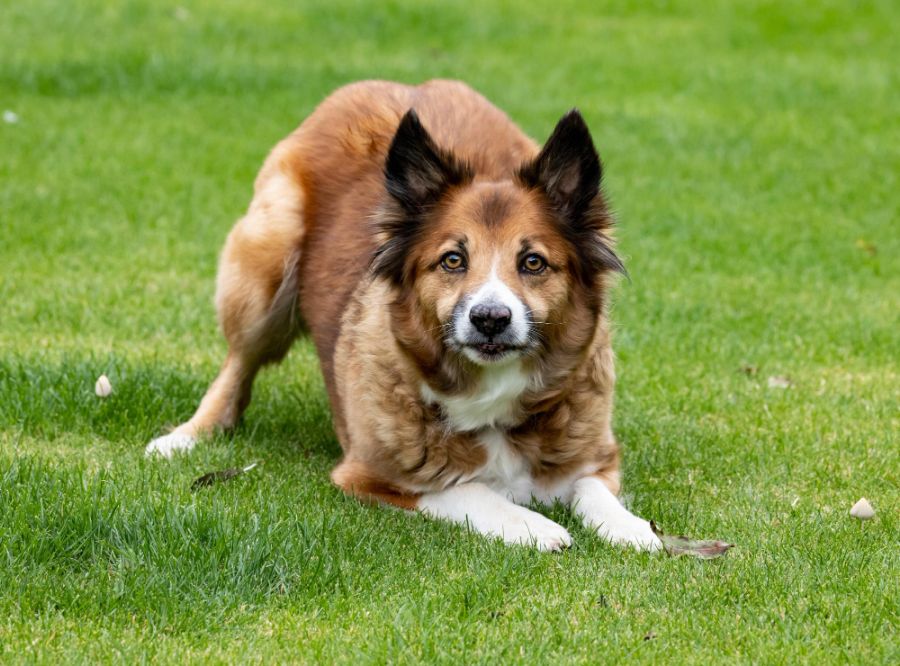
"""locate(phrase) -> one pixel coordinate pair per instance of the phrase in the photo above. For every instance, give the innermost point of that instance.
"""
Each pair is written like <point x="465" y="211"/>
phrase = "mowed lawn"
<point x="752" y="153"/>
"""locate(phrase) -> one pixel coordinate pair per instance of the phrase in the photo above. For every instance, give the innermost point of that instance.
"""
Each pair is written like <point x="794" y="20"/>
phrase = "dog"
<point x="454" y="278"/>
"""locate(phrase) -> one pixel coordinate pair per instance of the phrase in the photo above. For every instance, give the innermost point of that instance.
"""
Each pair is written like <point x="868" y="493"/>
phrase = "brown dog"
<point x="453" y="276"/>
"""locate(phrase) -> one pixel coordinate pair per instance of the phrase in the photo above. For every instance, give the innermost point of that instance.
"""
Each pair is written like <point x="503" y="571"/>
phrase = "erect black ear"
<point x="416" y="170"/>
<point x="569" y="172"/>
<point x="568" y="168"/>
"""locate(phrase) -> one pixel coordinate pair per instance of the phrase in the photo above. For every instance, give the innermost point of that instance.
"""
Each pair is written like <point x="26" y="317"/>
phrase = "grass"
<point x="752" y="152"/>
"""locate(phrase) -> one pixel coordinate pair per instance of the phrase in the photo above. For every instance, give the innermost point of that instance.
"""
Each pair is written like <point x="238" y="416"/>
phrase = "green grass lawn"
<point x="752" y="153"/>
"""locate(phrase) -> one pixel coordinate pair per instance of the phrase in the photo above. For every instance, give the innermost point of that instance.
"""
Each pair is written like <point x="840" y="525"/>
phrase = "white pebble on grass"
<point x="103" y="387"/>
<point x="779" y="382"/>
<point x="862" y="509"/>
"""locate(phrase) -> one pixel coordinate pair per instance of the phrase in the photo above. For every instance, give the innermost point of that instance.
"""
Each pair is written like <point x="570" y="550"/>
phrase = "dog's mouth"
<point x="491" y="351"/>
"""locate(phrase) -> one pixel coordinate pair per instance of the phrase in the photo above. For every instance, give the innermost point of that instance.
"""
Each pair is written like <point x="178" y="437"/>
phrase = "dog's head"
<point x="494" y="271"/>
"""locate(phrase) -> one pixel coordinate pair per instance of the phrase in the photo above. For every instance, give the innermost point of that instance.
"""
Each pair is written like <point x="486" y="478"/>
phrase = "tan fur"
<point x="311" y="224"/>
<point x="259" y="257"/>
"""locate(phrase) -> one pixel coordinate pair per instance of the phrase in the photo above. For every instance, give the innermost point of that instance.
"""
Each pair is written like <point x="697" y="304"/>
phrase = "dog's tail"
<point x="273" y="335"/>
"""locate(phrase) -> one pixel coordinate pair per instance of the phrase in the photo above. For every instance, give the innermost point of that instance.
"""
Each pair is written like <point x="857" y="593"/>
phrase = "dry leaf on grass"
<point x="682" y="545"/>
<point x="220" y="476"/>
<point x="867" y="247"/>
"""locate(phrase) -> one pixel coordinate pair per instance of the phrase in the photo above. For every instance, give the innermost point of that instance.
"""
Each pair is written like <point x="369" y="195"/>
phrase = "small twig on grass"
<point x="220" y="476"/>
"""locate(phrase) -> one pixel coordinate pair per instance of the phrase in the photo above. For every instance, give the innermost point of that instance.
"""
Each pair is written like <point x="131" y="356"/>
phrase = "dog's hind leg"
<point x="357" y="480"/>
<point x="257" y="294"/>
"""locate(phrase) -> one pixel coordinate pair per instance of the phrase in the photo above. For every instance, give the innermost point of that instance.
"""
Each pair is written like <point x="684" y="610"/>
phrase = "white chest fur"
<point x="507" y="472"/>
<point x="494" y="402"/>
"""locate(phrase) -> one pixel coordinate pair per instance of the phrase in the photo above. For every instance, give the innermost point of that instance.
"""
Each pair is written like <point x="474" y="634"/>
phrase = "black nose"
<point x="490" y="319"/>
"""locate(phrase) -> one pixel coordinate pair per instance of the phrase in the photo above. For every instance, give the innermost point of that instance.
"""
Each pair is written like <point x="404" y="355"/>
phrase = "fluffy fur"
<point x="453" y="277"/>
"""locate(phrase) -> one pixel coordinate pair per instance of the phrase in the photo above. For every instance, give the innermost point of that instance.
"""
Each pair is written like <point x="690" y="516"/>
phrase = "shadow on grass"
<point x="47" y="400"/>
<point x="109" y="543"/>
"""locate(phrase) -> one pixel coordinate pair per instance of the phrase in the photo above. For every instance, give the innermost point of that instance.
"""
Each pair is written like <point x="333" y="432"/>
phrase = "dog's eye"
<point x="453" y="261"/>
<point x="533" y="263"/>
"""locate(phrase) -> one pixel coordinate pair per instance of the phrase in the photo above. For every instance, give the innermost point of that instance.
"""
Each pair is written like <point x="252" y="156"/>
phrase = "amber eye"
<point x="453" y="261"/>
<point x="533" y="263"/>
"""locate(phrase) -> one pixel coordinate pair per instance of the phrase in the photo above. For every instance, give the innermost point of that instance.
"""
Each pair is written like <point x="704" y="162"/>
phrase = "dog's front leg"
<point x="601" y="510"/>
<point x="489" y="513"/>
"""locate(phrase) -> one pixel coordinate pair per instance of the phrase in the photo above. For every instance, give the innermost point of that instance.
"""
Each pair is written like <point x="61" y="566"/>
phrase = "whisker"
<point x="529" y="311"/>
<point x="447" y="326"/>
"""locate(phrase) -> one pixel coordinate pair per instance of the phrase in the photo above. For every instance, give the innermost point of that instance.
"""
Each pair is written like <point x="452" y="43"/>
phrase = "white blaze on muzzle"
<point x="495" y="295"/>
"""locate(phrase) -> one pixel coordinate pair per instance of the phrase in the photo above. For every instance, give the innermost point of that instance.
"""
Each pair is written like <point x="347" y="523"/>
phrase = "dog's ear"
<point x="568" y="171"/>
<point x="417" y="171"/>
<point x="568" y="168"/>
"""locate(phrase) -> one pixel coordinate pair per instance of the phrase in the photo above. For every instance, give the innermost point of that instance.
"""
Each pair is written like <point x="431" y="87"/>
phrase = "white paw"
<point x="168" y="445"/>
<point x="602" y="511"/>
<point x="487" y="512"/>
<point x="519" y="525"/>
<point x="632" y="531"/>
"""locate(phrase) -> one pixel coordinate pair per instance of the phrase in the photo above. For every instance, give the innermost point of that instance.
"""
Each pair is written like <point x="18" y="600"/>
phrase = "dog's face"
<point x="493" y="270"/>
